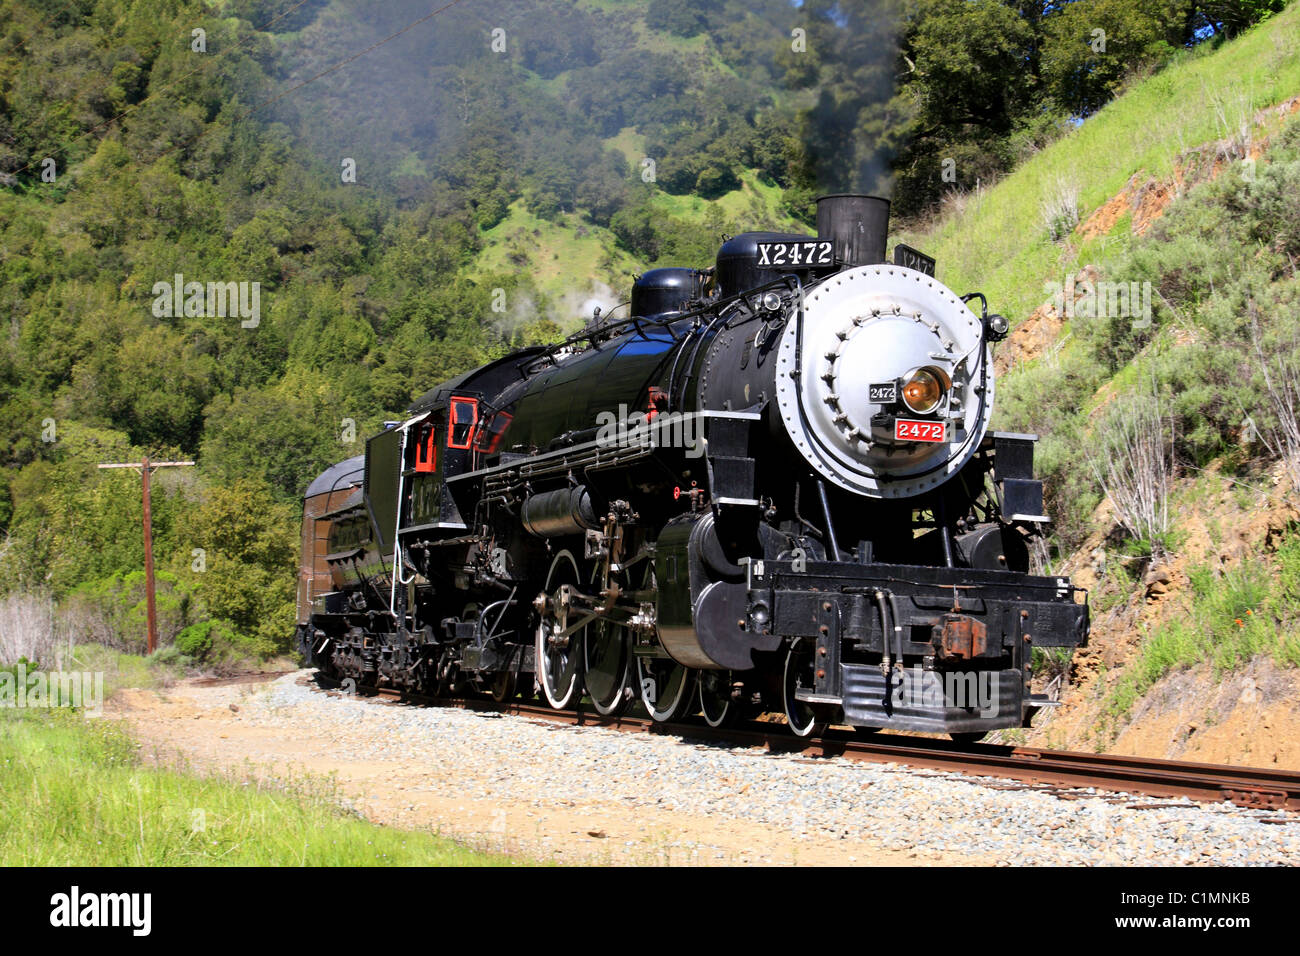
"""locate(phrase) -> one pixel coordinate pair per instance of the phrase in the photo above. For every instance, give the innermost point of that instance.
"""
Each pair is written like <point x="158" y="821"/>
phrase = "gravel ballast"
<point x="552" y="790"/>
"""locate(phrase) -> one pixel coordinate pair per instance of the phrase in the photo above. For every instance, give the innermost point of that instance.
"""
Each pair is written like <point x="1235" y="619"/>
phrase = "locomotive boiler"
<point x="771" y="487"/>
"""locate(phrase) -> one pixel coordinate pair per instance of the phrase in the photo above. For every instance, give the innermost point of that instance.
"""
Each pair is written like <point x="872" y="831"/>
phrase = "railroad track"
<point x="1051" y="770"/>
<point x="246" y="677"/>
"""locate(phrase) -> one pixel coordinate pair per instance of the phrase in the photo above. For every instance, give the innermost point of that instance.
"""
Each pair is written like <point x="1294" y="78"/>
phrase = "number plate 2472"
<point x="909" y="429"/>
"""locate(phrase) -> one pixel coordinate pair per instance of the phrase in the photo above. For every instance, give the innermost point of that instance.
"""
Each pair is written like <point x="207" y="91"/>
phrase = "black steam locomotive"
<point x="771" y="487"/>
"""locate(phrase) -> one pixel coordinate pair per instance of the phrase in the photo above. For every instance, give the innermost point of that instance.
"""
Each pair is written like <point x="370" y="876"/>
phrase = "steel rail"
<point x="1252" y="787"/>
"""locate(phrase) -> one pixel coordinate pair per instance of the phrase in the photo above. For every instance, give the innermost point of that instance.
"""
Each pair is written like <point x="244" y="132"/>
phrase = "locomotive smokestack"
<point x="857" y="224"/>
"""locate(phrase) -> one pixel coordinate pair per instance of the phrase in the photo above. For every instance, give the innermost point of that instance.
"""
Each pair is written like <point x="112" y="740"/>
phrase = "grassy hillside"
<point x="568" y="257"/>
<point x="1145" y="155"/>
<point x="556" y="254"/>
<point x="1187" y="182"/>
<point x="997" y="239"/>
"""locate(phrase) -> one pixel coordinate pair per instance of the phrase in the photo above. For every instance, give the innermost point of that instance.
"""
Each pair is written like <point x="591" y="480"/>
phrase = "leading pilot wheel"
<point x="802" y="717"/>
<point x="559" y="656"/>
<point x="607" y="664"/>
<point x="666" y="688"/>
<point x="717" y="705"/>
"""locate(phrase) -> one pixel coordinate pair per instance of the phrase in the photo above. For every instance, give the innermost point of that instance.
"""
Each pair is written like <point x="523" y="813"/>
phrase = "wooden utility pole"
<point x="146" y="467"/>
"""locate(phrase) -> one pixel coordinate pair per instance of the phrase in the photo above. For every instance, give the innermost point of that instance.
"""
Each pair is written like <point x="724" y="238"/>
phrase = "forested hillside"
<point x="414" y="192"/>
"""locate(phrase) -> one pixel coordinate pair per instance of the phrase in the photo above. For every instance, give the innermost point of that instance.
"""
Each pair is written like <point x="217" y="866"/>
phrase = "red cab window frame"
<point x="457" y="418"/>
<point x="426" y="452"/>
<point x="491" y="430"/>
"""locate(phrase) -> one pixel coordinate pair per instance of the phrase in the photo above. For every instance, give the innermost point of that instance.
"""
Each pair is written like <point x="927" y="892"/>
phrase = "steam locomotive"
<point x="772" y="487"/>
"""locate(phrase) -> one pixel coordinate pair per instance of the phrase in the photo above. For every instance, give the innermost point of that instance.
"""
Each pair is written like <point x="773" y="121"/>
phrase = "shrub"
<point x="113" y="611"/>
<point x="196" y="640"/>
<point x="1060" y="211"/>
<point x="1133" y="462"/>
<point x="27" y="627"/>
<point x="217" y="645"/>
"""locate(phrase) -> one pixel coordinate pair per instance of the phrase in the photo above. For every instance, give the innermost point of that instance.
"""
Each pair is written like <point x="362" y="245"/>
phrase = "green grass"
<point x="562" y="257"/>
<point x="998" y="242"/>
<point x="121" y="669"/>
<point x="1252" y="610"/>
<point x="754" y="205"/>
<point x="631" y="144"/>
<point x="1116" y="587"/>
<point x="165" y="667"/>
<point x="73" y="792"/>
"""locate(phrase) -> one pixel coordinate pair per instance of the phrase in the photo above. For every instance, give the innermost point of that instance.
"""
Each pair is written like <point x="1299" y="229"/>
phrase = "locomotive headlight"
<point x="923" y="389"/>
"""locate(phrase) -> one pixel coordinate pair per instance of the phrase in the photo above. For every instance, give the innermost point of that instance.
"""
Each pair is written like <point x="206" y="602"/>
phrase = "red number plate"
<point x="908" y="429"/>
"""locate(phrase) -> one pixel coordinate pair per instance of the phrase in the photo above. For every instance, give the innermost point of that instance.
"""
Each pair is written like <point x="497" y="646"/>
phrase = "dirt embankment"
<point x="1146" y="197"/>
<point x="1250" y="716"/>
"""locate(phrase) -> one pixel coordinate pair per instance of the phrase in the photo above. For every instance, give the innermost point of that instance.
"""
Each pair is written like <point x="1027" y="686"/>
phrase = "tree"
<point x="250" y="547"/>
<point x="282" y="437"/>
<point x="675" y="16"/>
<point x="1092" y="46"/>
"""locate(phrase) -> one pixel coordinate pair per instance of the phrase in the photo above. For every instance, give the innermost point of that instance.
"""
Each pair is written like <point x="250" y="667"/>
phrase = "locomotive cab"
<point x="440" y="446"/>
